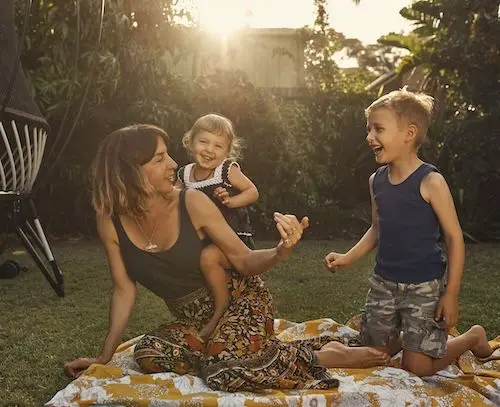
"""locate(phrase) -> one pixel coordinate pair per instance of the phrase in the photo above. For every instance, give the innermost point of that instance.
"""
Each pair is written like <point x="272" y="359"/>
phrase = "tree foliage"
<point x="458" y="43"/>
<point x="307" y="155"/>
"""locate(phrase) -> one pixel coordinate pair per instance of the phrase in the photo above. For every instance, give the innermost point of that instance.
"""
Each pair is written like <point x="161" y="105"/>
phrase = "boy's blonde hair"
<point x="410" y="108"/>
<point x="218" y="125"/>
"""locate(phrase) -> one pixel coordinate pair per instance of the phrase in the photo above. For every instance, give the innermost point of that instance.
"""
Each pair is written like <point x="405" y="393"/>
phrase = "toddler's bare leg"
<point x="213" y="264"/>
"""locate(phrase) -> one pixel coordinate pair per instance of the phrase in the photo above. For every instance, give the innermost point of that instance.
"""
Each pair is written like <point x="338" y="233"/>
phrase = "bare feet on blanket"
<point x="481" y="349"/>
<point x="338" y="355"/>
<point x="369" y="357"/>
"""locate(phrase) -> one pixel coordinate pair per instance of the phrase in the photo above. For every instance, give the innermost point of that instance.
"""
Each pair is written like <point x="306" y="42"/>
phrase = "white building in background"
<point x="272" y="58"/>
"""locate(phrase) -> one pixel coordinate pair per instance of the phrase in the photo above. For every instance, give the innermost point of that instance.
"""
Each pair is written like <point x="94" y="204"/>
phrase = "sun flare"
<point x="222" y="16"/>
<point x="355" y="21"/>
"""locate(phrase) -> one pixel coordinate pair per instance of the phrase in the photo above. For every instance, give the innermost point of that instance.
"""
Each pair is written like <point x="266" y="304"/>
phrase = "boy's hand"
<point x="448" y="310"/>
<point x="222" y="195"/>
<point x="336" y="261"/>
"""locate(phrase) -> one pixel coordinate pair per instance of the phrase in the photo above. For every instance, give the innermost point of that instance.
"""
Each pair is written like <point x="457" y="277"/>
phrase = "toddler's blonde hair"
<point x="215" y="124"/>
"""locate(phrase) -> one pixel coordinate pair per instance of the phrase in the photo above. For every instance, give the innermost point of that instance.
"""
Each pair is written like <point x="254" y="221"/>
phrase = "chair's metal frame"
<point x="19" y="167"/>
<point x="24" y="137"/>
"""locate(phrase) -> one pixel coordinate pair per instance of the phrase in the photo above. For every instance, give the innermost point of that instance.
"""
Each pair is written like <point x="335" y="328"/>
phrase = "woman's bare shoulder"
<point x="106" y="229"/>
<point x="197" y="200"/>
<point x="200" y="207"/>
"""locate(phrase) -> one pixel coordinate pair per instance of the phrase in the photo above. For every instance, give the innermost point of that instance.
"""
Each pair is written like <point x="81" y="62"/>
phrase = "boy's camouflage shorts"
<point x="394" y="307"/>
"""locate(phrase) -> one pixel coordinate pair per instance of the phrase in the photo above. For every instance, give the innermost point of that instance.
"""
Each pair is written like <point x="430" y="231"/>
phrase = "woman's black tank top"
<point x="172" y="273"/>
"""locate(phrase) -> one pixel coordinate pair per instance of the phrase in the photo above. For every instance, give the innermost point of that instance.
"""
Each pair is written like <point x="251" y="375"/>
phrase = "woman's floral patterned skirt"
<point x="242" y="354"/>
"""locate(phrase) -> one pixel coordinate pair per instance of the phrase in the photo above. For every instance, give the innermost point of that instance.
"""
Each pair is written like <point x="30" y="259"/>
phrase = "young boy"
<point x="410" y="200"/>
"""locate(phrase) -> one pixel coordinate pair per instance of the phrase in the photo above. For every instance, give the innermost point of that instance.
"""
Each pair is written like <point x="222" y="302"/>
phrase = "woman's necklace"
<point x="150" y="246"/>
<point x="201" y="179"/>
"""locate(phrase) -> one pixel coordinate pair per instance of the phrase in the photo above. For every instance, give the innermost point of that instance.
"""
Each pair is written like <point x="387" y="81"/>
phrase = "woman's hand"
<point x="290" y="230"/>
<point x="76" y="367"/>
<point x="208" y="220"/>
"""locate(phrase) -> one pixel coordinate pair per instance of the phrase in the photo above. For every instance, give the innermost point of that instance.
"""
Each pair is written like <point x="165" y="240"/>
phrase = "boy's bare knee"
<point x="419" y="366"/>
<point x="418" y="370"/>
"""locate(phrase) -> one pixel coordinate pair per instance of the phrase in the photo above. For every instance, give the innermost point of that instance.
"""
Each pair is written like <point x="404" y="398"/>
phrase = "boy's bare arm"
<point x="368" y="242"/>
<point x="435" y="190"/>
<point x="370" y="239"/>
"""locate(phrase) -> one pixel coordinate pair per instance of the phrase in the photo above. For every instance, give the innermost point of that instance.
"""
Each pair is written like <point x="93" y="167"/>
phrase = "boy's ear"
<point x="411" y="132"/>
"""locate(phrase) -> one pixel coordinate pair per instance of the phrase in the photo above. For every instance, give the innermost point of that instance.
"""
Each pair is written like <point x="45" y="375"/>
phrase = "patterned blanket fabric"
<point x="120" y="382"/>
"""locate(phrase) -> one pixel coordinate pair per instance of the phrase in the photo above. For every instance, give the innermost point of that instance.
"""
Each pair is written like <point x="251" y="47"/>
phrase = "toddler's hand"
<point x="222" y="195"/>
<point x="207" y="330"/>
<point x="336" y="261"/>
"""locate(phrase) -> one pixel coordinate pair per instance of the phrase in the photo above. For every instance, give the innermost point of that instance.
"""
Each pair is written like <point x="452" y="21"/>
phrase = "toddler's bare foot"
<point x="481" y="349"/>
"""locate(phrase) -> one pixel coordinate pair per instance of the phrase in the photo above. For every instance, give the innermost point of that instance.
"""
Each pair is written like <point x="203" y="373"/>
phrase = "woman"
<point x="153" y="234"/>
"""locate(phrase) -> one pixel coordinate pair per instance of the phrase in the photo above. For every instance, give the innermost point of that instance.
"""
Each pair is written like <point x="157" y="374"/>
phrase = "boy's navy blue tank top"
<point x="408" y="250"/>
<point x="172" y="273"/>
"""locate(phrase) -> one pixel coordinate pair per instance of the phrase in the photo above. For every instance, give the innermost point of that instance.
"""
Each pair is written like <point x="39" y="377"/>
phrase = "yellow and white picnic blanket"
<point x="120" y="382"/>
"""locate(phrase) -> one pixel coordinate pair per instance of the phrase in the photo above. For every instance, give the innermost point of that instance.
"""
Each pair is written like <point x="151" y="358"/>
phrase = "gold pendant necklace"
<point x="150" y="246"/>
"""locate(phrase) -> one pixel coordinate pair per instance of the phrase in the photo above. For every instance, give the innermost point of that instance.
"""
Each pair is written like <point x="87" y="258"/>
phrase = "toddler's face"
<point x="209" y="150"/>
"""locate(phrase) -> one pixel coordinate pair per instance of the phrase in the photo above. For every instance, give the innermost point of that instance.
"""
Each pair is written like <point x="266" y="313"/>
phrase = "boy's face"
<point x="387" y="137"/>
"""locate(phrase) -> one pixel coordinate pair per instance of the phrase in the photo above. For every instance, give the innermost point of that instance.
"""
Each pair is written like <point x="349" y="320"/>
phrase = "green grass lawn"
<point x="39" y="331"/>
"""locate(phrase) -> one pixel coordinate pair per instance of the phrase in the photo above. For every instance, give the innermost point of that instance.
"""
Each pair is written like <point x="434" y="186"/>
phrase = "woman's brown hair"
<point x="118" y="186"/>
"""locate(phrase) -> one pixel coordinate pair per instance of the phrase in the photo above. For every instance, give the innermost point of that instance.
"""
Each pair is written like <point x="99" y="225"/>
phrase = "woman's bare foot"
<point x="481" y="349"/>
<point x="370" y="357"/>
<point x="335" y="354"/>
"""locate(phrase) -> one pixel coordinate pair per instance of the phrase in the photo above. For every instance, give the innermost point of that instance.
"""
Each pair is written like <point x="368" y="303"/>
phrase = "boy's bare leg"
<point x="213" y="264"/>
<point x="336" y="354"/>
<point x="474" y="339"/>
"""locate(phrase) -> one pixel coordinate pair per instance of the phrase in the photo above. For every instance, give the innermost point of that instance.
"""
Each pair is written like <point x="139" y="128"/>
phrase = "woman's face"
<point x="160" y="170"/>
